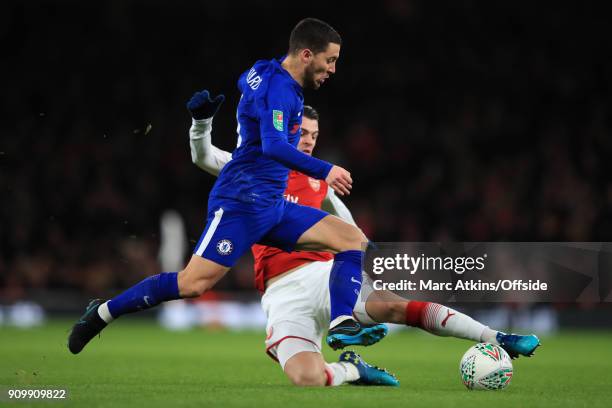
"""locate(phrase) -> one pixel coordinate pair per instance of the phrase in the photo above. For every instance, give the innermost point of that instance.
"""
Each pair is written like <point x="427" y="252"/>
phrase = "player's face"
<point x="321" y="66"/>
<point x="310" y="133"/>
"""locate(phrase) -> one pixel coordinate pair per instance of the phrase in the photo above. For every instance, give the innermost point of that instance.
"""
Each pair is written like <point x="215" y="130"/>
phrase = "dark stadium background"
<point x="467" y="121"/>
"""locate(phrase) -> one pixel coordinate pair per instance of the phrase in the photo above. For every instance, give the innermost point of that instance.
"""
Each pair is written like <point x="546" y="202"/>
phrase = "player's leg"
<point x="308" y="368"/>
<point x="304" y="365"/>
<point x="307" y="228"/>
<point x="385" y="306"/>
<point x="305" y="368"/>
<point x="429" y="316"/>
<point x="442" y="320"/>
<point x="297" y="308"/>
<point x="213" y="256"/>
<point x="291" y="305"/>
<point x="199" y="275"/>
<point x="346" y="242"/>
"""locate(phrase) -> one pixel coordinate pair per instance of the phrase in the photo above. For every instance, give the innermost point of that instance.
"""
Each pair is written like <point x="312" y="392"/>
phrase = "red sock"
<point x="423" y="315"/>
<point x="329" y="374"/>
<point x="415" y="312"/>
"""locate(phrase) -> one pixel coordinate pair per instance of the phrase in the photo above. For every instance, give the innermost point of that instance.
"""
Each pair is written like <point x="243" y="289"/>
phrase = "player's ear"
<point x="306" y="55"/>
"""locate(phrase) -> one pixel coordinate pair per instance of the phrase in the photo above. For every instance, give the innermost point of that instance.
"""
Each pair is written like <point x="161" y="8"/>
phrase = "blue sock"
<point x="146" y="294"/>
<point x="345" y="283"/>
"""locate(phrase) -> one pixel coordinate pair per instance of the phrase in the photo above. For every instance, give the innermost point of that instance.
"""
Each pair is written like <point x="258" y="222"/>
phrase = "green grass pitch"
<point x="138" y="364"/>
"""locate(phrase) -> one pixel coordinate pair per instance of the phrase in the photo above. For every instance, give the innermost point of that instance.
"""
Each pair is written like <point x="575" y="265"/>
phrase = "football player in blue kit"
<point x="246" y="205"/>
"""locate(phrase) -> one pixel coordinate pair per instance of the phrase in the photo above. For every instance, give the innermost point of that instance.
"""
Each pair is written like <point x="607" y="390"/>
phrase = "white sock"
<point x="339" y="320"/>
<point x="342" y="372"/>
<point x="444" y="321"/>
<point x="104" y="313"/>
<point x="489" y="336"/>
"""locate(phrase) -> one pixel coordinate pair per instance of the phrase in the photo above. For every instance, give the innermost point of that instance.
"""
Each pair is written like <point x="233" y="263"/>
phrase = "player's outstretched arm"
<point x="275" y="146"/>
<point x="203" y="153"/>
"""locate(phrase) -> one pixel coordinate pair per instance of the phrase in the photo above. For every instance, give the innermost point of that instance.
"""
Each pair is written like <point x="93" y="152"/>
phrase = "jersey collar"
<point x="278" y="62"/>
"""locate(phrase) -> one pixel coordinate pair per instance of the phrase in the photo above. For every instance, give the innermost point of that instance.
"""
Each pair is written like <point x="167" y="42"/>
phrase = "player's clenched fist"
<point x="340" y="180"/>
<point x="201" y="106"/>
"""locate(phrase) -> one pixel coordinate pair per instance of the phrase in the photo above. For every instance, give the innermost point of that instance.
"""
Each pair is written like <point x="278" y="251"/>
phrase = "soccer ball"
<point x="486" y="366"/>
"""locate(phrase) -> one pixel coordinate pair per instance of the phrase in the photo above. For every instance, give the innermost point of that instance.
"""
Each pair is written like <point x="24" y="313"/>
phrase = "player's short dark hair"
<point x="310" y="113"/>
<point x="313" y="34"/>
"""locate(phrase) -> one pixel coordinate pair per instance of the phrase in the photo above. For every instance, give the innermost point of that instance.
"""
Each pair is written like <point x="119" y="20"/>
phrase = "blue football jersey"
<point x="269" y="118"/>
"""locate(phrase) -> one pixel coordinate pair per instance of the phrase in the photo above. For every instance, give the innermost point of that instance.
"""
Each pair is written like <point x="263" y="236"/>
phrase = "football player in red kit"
<point x="295" y="285"/>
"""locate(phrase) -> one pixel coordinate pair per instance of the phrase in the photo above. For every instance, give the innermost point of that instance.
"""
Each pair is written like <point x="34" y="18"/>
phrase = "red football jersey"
<point x="270" y="261"/>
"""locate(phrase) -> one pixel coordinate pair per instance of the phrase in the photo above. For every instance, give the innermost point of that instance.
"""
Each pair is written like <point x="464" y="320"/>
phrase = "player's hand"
<point x="340" y="180"/>
<point x="202" y="107"/>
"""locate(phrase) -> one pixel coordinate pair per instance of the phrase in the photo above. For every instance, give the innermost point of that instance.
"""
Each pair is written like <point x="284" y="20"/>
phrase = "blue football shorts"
<point x="233" y="226"/>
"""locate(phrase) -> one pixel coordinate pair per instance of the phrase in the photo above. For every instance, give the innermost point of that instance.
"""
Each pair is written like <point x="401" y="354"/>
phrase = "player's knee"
<point x="354" y="239"/>
<point x="307" y="377"/>
<point x="347" y="237"/>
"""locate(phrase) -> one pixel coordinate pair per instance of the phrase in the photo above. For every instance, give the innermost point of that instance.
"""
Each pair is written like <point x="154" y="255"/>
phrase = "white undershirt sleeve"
<point x="204" y="154"/>
<point x="333" y="205"/>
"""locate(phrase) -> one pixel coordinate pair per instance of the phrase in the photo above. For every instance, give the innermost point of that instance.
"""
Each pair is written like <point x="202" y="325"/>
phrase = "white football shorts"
<point x="297" y="307"/>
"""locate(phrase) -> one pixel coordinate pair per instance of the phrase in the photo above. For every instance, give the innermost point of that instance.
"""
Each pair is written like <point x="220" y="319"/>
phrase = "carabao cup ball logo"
<point x="225" y="247"/>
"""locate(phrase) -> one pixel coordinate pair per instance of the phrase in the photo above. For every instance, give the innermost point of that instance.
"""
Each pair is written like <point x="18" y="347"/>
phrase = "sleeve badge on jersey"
<point x="295" y="128"/>
<point x="277" y="120"/>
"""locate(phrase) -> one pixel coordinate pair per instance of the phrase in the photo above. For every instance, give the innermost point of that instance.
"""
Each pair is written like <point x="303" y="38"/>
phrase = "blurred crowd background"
<point x="467" y="121"/>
